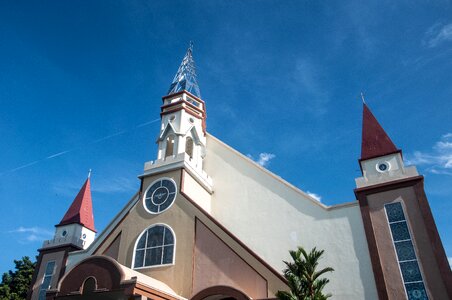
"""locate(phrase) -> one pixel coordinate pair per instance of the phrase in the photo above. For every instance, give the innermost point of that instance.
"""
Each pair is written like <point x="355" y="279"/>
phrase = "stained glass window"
<point x="406" y="256"/>
<point x="155" y="247"/>
<point x="160" y="195"/>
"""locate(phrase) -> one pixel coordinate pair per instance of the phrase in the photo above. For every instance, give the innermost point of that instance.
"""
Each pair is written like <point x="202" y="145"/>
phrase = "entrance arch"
<point x="220" y="292"/>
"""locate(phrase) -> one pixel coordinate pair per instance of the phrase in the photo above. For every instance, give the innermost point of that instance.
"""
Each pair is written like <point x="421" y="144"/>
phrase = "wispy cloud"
<point x="437" y="34"/>
<point x="307" y="78"/>
<point x="438" y="160"/>
<point x="117" y="185"/>
<point x="264" y="158"/>
<point x="78" y="148"/>
<point x="315" y="196"/>
<point x="109" y="185"/>
<point x="31" y="234"/>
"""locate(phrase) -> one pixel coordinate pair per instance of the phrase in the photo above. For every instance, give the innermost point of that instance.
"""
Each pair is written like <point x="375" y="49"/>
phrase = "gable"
<point x="217" y="264"/>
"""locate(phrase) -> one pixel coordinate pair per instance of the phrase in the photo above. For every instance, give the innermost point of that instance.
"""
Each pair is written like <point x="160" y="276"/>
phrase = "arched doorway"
<point x="220" y="293"/>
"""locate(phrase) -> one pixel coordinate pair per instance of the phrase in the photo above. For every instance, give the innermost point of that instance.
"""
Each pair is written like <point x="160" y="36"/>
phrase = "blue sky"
<point x="81" y="85"/>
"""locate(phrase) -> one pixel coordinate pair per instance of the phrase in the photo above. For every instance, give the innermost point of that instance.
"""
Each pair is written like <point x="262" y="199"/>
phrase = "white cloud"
<point x="315" y="196"/>
<point x="438" y="160"/>
<point x="437" y="34"/>
<point x="264" y="158"/>
<point x="31" y="234"/>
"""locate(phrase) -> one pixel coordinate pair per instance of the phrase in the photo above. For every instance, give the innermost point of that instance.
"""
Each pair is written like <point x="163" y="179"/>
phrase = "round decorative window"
<point x="84" y="236"/>
<point x="192" y="120"/>
<point x="383" y="167"/>
<point x="160" y="195"/>
<point x="64" y="233"/>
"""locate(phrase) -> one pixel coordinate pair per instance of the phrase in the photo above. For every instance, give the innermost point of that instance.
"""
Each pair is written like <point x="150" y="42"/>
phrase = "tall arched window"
<point x="169" y="146"/>
<point x="189" y="146"/>
<point x="155" y="247"/>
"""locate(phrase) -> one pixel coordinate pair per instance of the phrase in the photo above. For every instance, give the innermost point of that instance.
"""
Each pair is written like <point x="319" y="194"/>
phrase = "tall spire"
<point x="185" y="78"/>
<point x="81" y="209"/>
<point x="375" y="141"/>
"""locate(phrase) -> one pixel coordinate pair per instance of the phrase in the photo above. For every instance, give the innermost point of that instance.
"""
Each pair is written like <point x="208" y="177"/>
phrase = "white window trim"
<point x="147" y="189"/>
<point x="154" y="266"/>
<point x="45" y="275"/>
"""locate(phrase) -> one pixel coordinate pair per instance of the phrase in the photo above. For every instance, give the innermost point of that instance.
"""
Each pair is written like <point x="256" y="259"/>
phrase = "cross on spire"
<point x="185" y="78"/>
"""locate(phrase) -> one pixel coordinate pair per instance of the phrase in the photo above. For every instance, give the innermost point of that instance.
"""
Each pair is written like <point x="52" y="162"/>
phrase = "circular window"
<point x="172" y="118"/>
<point x="64" y="233"/>
<point x="84" y="236"/>
<point x="383" y="167"/>
<point x="160" y="195"/>
<point x="191" y="120"/>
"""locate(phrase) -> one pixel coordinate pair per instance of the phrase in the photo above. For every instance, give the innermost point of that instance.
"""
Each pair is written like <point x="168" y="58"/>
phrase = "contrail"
<point x="76" y="148"/>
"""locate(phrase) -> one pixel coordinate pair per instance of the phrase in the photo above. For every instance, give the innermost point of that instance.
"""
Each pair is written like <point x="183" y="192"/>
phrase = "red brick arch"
<point x="106" y="272"/>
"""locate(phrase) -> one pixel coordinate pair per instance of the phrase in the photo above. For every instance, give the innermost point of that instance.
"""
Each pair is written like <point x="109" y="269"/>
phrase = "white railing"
<point x="64" y="240"/>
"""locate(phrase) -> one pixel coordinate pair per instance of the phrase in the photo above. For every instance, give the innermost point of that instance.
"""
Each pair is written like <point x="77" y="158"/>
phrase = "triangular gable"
<point x="169" y="128"/>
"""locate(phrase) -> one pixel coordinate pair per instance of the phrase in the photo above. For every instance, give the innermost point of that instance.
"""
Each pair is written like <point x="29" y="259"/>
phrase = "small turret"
<point x="77" y="225"/>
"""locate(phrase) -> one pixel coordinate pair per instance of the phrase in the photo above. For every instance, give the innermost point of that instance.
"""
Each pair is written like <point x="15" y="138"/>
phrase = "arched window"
<point x="189" y="146"/>
<point x="169" y="146"/>
<point x="155" y="247"/>
<point x="89" y="286"/>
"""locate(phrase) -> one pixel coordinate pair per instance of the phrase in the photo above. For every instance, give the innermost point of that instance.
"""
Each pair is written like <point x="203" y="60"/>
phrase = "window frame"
<point x="163" y="245"/>
<point x="168" y="139"/>
<point x="189" y="145"/>
<point x="149" y="187"/>
<point x="41" y="289"/>
<point x="404" y="283"/>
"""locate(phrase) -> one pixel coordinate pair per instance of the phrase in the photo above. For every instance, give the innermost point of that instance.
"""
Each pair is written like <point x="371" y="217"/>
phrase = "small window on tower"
<point x="46" y="280"/>
<point x="169" y="146"/>
<point x="189" y="146"/>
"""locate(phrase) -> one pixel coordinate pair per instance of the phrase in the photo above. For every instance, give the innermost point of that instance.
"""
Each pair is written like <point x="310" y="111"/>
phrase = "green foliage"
<point x="304" y="280"/>
<point x="15" y="285"/>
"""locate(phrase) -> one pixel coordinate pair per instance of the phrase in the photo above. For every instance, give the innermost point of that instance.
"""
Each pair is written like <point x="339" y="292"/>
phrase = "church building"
<point x="209" y="223"/>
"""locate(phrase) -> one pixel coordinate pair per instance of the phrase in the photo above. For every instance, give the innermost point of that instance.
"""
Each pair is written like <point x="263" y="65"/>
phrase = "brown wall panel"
<point x="217" y="264"/>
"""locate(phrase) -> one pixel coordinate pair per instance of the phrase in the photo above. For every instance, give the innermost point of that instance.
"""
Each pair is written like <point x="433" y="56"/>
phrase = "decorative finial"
<point x="362" y="97"/>
<point x="89" y="173"/>
<point x="185" y="79"/>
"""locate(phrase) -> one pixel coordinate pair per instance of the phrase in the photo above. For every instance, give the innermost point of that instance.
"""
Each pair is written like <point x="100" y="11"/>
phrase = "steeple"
<point x="81" y="209"/>
<point x="380" y="160"/>
<point x="185" y="79"/>
<point x="77" y="226"/>
<point x="182" y="138"/>
<point x="375" y="141"/>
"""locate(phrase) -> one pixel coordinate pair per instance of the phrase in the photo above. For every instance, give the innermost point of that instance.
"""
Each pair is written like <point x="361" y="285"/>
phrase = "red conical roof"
<point x="375" y="141"/>
<point x="81" y="209"/>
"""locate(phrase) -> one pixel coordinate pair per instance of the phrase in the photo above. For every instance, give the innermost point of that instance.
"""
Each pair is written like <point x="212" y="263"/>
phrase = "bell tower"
<point x="408" y="258"/>
<point x="74" y="232"/>
<point x="182" y="138"/>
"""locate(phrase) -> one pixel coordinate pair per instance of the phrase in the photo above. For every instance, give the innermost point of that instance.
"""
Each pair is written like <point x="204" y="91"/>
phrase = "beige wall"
<point x="273" y="217"/>
<point x="421" y="241"/>
<point x="181" y="218"/>
<point x="138" y="220"/>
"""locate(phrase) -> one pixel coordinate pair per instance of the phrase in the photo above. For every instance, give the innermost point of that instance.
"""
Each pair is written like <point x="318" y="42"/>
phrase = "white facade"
<point x="272" y="217"/>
